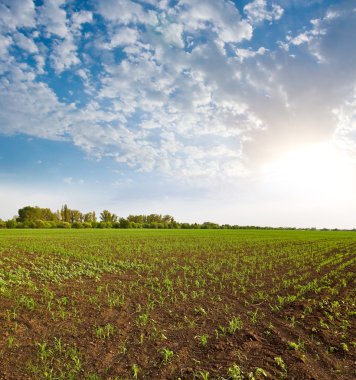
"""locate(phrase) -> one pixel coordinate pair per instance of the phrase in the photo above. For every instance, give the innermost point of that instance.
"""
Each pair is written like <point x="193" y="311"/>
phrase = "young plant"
<point x="235" y="372"/>
<point x="104" y="332"/>
<point x="135" y="371"/>
<point x="234" y="324"/>
<point x="204" y="375"/>
<point x="202" y="339"/>
<point x="280" y="363"/>
<point x="167" y="355"/>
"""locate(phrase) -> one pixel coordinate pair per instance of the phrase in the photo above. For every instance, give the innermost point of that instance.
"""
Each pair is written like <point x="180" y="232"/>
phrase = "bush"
<point x="77" y="225"/>
<point x="87" y="225"/>
<point x="124" y="223"/>
<point x="104" y="225"/>
<point x="10" y="223"/>
<point x="63" y="225"/>
<point x="157" y="225"/>
<point x="40" y="224"/>
<point x="28" y="224"/>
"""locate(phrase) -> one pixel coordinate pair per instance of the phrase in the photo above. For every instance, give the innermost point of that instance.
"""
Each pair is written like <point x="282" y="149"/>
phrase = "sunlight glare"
<point x="317" y="172"/>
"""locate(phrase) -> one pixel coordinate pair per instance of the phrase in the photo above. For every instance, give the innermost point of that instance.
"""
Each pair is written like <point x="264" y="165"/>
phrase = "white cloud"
<point x="300" y="39"/>
<point x="25" y="43"/>
<point x="5" y="43"/>
<point x="248" y="53"/>
<point x="345" y="132"/>
<point x="40" y="63"/>
<point x="54" y="18"/>
<point x="258" y="11"/>
<point x="64" y="55"/>
<point x="223" y="17"/>
<point x="183" y="96"/>
<point x="295" y="96"/>
<point x="125" y="12"/>
<point x="17" y="14"/>
<point x="165" y="88"/>
<point x="30" y="107"/>
<point x="81" y="17"/>
<point x="123" y="36"/>
<point x="172" y="33"/>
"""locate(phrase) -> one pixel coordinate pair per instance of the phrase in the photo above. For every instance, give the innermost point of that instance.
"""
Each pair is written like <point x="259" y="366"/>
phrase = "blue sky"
<point x="241" y="112"/>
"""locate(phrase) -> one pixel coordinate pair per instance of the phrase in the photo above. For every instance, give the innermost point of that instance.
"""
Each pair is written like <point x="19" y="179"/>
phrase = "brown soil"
<point x="177" y="324"/>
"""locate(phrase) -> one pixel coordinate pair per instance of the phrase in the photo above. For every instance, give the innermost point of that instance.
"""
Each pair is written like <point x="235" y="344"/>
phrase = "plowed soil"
<point x="164" y="291"/>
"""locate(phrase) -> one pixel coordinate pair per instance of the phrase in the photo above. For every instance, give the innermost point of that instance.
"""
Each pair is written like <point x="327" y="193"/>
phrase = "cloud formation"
<point x="259" y="10"/>
<point x="185" y="89"/>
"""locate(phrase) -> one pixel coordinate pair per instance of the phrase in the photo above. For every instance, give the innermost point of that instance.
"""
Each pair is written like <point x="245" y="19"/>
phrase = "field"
<point x="170" y="304"/>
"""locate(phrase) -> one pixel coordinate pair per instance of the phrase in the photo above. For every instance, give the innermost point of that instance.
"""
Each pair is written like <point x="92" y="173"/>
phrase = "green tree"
<point x="47" y="215"/>
<point x="107" y="216"/>
<point x="31" y="214"/>
<point x="10" y="223"/>
<point x="28" y="213"/>
<point x="90" y="217"/>
<point x="76" y="216"/>
<point x="124" y="223"/>
<point x="65" y="214"/>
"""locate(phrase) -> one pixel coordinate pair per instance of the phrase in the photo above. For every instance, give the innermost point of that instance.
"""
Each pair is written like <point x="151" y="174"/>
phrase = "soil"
<point x="176" y="324"/>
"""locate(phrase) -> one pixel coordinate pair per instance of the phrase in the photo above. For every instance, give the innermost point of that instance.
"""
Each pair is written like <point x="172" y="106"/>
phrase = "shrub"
<point x="104" y="225"/>
<point x="185" y="226"/>
<point x="115" y="225"/>
<point x="63" y="225"/>
<point x="40" y="224"/>
<point x="10" y="223"/>
<point x="77" y="225"/>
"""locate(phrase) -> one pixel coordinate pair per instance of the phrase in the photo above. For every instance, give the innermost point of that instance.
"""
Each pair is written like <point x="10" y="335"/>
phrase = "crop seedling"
<point x="293" y="346"/>
<point x="280" y="363"/>
<point x="234" y="324"/>
<point x="235" y="372"/>
<point x="167" y="355"/>
<point x="142" y="319"/>
<point x="254" y="317"/>
<point x="156" y="284"/>
<point x="135" y="371"/>
<point x="202" y="339"/>
<point x="344" y="347"/>
<point x="104" y="332"/>
<point x="203" y="375"/>
<point x="200" y="310"/>
<point x="10" y="341"/>
<point x="259" y="372"/>
<point x="27" y="302"/>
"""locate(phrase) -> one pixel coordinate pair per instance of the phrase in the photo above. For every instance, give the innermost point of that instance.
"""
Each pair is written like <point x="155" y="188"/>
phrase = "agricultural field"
<point x="177" y="304"/>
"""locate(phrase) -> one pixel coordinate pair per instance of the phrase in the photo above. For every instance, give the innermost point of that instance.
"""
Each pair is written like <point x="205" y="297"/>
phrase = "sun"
<point x="317" y="172"/>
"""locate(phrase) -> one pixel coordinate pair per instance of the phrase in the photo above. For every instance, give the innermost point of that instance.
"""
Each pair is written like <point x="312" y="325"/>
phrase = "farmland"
<point x="170" y="304"/>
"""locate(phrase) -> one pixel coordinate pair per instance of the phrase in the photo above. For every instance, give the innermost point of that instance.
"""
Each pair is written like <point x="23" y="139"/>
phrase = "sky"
<point x="240" y="112"/>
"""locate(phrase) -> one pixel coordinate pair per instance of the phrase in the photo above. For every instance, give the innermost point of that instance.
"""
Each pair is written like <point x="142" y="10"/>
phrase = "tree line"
<point x="37" y="217"/>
